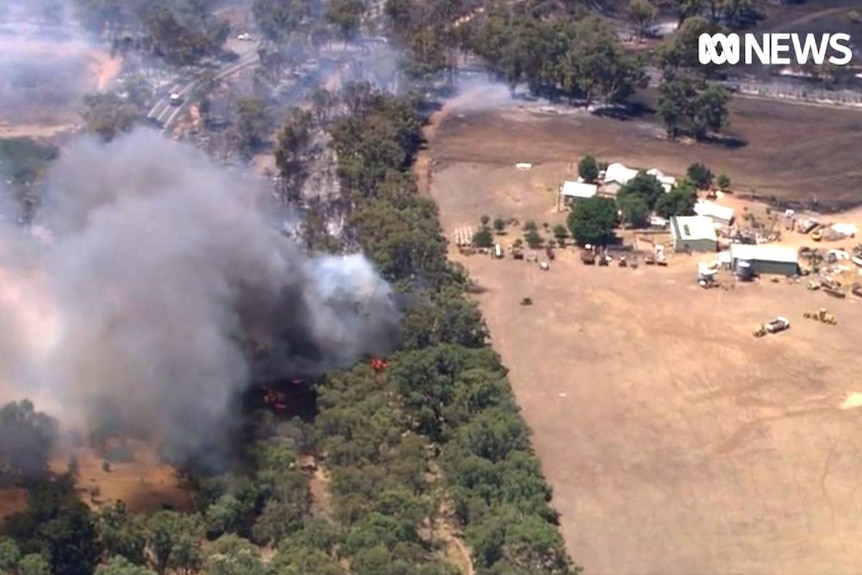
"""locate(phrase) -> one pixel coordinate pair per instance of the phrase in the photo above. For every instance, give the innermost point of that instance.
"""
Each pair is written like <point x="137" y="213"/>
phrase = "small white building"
<point x="618" y="174"/>
<point x="695" y="233"/>
<point x="719" y="214"/>
<point x="667" y="182"/>
<point x="571" y="191"/>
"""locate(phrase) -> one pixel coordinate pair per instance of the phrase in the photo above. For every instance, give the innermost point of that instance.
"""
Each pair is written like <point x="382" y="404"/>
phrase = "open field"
<point x="42" y="83"/>
<point x="676" y="443"/>
<point x="793" y="150"/>
<point x="145" y="485"/>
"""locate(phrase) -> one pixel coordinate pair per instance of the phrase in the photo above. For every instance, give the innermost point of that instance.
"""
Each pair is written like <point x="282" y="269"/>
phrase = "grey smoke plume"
<point x="160" y="267"/>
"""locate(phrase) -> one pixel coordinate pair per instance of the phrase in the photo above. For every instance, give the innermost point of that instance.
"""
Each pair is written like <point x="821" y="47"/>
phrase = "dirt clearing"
<point x="675" y="441"/>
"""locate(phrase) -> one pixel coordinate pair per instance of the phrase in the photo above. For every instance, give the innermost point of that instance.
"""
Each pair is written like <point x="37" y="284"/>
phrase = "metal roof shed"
<point x="578" y="190"/>
<point x="695" y="233"/>
<point x="718" y="213"/>
<point x="767" y="258"/>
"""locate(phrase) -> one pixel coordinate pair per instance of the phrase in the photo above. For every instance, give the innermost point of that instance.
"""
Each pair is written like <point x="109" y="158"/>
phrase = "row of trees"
<point x="281" y="22"/>
<point x="575" y="58"/>
<point x="180" y="31"/>
<point x="447" y="385"/>
<point x="568" y="53"/>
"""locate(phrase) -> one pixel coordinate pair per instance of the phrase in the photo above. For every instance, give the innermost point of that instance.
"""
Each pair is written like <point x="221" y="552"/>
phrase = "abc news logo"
<point x="774" y="49"/>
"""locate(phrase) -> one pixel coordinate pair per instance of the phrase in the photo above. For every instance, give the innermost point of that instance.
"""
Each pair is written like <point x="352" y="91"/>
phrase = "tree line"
<point x="180" y="31"/>
<point x="446" y="383"/>
<point x="566" y="51"/>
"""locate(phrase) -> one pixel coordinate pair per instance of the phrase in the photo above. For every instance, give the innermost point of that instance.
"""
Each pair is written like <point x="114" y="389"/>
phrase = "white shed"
<point x="719" y="214"/>
<point x="619" y="174"/>
<point x="667" y="182"/>
<point x="577" y="190"/>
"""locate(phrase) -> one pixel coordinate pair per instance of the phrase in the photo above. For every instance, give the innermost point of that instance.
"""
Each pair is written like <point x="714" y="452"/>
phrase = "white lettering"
<point x="718" y="49"/>
<point x="779" y="45"/>
<point x="760" y="47"/>
<point x="818" y="51"/>
<point x="841" y="43"/>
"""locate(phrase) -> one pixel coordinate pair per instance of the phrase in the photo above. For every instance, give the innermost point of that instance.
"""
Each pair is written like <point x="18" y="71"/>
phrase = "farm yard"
<point x="675" y="442"/>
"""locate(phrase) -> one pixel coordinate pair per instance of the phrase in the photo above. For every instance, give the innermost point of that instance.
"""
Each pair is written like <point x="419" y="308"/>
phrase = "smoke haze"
<point x="160" y="266"/>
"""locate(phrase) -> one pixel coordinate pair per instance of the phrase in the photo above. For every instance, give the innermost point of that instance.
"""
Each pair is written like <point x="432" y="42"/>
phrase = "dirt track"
<point x="676" y="443"/>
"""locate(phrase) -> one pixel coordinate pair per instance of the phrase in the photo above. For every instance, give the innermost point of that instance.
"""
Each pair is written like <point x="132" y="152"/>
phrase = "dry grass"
<point x="794" y="151"/>
<point x="145" y="485"/>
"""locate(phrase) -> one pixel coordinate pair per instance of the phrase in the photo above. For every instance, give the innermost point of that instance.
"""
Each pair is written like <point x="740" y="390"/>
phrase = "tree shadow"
<point x="625" y="112"/>
<point x="729" y="141"/>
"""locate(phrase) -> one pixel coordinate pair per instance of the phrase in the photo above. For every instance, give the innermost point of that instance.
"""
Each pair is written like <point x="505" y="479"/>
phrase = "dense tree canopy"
<point x="644" y="186"/>
<point x="700" y="175"/>
<point x="593" y="221"/>
<point x="59" y="526"/>
<point x="577" y="58"/>
<point x="26" y="439"/>
<point x="180" y="31"/>
<point x="279" y="19"/>
<point x="107" y="115"/>
<point x="588" y="169"/>
<point x="23" y="159"/>
<point x="678" y="202"/>
<point x="686" y="109"/>
<point x="253" y="124"/>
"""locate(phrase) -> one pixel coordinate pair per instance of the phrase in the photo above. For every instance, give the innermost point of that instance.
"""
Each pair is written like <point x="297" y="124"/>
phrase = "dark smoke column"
<point x="160" y="267"/>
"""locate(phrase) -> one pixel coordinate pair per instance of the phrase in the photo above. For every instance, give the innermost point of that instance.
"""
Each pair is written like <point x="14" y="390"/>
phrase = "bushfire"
<point x="378" y="364"/>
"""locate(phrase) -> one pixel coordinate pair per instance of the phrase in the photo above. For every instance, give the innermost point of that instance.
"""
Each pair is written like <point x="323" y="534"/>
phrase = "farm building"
<point x="695" y="233"/>
<point x="766" y="258"/>
<point x="573" y="191"/>
<point x="615" y="177"/>
<point x="619" y="174"/>
<point x="719" y="214"/>
<point x="667" y="182"/>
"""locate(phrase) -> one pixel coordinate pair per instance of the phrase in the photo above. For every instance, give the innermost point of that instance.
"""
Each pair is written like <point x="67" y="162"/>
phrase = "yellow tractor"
<point x="821" y="315"/>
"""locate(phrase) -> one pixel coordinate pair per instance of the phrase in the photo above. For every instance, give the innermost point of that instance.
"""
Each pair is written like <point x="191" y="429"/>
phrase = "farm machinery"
<point x="828" y="286"/>
<point x="773" y="326"/>
<point x="821" y="315"/>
